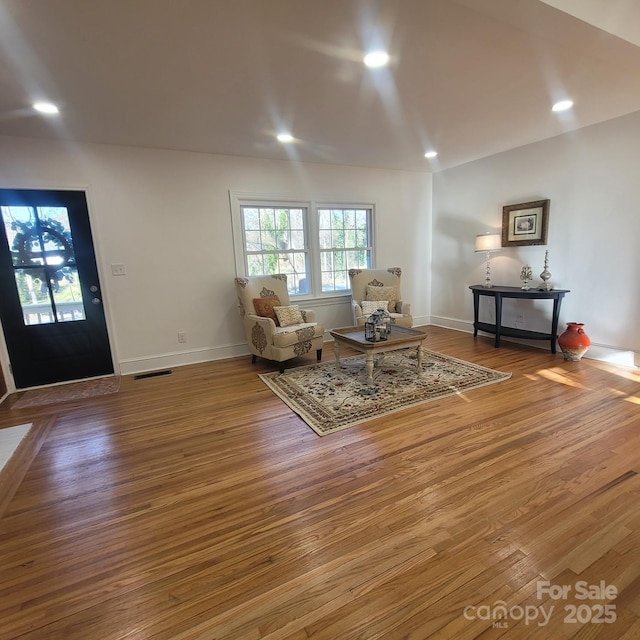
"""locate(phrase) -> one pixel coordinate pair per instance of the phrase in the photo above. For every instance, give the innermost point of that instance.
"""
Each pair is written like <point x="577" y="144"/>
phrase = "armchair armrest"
<point x="309" y="315"/>
<point x="268" y="325"/>
<point x="404" y="308"/>
<point x="356" y="310"/>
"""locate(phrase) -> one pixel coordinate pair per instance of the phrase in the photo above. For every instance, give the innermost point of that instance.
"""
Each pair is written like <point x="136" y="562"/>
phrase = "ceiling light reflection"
<point x="376" y="59"/>
<point x="46" y="107"/>
<point x="562" y="105"/>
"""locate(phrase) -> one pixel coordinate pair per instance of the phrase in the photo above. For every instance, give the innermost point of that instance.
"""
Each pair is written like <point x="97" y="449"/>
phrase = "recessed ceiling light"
<point x="563" y="105"/>
<point x="46" y="107"/>
<point x="376" y="59"/>
<point x="285" y="137"/>
<point x="431" y="154"/>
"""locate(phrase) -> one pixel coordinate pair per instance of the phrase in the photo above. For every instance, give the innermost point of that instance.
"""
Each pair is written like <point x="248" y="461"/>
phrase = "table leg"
<point x="336" y="350"/>
<point x="419" y="355"/>
<point x="369" y="365"/>
<point x="498" y="299"/>
<point x="557" y="301"/>
<point x="476" y="302"/>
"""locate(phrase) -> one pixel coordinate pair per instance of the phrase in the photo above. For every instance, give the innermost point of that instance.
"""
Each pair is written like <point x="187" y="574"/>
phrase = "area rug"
<point x="328" y="400"/>
<point x="67" y="392"/>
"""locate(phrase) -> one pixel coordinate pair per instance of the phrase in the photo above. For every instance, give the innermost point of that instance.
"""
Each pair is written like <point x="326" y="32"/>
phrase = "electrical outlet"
<point x="182" y="337"/>
<point x="118" y="270"/>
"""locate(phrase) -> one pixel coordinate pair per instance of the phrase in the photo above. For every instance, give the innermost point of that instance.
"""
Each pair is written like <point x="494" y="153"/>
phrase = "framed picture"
<point x="525" y="224"/>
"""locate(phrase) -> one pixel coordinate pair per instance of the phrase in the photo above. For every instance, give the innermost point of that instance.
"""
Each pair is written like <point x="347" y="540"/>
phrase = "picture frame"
<point x="525" y="224"/>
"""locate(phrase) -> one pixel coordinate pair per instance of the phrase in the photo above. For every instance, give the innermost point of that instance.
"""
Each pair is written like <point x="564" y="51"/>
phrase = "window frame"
<point x="312" y="234"/>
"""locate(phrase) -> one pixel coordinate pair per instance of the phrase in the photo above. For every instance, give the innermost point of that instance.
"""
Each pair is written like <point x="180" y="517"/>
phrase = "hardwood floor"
<point x="198" y="506"/>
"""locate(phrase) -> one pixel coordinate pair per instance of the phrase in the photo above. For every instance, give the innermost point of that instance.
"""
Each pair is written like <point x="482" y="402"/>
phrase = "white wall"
<point x="166" y="216"/>
<point x="591" y="179"/>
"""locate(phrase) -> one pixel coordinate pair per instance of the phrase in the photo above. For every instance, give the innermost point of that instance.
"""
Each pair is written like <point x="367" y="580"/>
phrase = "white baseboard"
<point x="601" y="352"/>
<point x="181" y="358"/>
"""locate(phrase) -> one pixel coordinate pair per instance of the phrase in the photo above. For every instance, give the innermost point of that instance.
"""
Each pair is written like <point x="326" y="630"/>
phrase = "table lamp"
<point x="488" y="242"/>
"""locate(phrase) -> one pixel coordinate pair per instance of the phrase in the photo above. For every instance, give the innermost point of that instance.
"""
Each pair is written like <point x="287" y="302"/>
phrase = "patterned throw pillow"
<point x="371" y="306"/>
<point x="384" y="293"/>
<point x="264" y="307"/>
<point x="289" y="315"/>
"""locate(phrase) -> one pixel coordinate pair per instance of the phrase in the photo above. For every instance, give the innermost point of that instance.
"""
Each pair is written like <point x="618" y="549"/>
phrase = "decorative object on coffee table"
<point x="377" y="326"/>
<point x="545" y="285"/>
<point x="526" y="275"/>
<point x="574" y="342"/>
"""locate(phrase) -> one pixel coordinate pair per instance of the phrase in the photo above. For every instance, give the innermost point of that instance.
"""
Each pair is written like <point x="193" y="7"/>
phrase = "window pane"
<point x="252" y="240"/>
<point x="255" y="265"/>
<point x="349" y="238"/>
<point x="350" y="219"/>
<point x="65" y="286"/>
<point x="324" y="219"/>
<point x="297" y="219"/>
<point x="267" y="219"/>
<point x="297" y="239"/>
<point x="325" y="239"/>
<point x="34" y="296"/>
<point x="326" y="261"/>
<point x="251" y="219"/>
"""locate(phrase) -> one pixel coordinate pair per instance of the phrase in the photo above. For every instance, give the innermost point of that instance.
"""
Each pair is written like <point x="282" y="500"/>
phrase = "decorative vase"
<point x="574" y="342"/>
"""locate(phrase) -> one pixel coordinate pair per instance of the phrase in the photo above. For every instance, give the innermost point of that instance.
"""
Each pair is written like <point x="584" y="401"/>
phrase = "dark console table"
<point x="498" y="293"/>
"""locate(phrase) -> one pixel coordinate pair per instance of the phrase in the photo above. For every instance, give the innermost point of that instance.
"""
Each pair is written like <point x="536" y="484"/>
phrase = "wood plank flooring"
<point x="198" y="506"/>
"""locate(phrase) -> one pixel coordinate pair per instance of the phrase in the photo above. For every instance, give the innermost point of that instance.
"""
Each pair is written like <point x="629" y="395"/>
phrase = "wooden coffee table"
<point x="399" y="338"/>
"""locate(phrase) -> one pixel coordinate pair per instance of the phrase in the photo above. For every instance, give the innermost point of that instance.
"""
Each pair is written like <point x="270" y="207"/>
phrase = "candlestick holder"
<point x="545" y="285"/>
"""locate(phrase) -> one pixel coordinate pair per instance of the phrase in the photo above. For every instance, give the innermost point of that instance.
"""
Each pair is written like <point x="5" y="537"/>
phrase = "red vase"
<point x="574" y="342"/>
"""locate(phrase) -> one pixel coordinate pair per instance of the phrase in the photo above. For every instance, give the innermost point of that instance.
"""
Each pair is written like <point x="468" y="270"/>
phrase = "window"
<point x="314" y="244"/>
<point x="275" y="242"/>
<point x="44" y="263"/>
<point x="344" y="244"/>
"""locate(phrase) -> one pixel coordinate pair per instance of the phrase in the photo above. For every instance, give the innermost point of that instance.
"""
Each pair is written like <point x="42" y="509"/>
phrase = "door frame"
<point x="5" y="362"/>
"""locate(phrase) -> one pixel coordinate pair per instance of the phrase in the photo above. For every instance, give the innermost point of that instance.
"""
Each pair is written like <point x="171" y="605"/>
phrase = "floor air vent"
<point x="153" y="374"/>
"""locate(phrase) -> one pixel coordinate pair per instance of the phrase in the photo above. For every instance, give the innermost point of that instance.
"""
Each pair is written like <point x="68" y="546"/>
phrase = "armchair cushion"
<point x="371" y="306"/>
<point x="265" y="307"/>
<point x="390" y="294"/>
<point x="288" y="315"/>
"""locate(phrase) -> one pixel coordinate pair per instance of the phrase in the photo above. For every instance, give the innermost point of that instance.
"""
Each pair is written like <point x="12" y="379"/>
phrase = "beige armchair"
<point x="275" y="329"/>
<point x="369" y="286"/>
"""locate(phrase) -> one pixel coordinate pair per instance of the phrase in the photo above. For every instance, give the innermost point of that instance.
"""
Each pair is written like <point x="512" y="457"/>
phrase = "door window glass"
<point x="41" y="247"/>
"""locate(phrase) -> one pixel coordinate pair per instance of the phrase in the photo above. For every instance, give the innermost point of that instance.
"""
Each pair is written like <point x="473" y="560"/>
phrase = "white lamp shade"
<point x="488" y="242"/>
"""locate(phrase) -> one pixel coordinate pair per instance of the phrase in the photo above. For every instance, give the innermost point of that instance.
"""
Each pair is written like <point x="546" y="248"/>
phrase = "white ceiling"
<point x="467" y="77"/>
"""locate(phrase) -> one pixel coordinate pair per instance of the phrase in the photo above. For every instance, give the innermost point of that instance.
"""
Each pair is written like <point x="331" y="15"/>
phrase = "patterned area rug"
<point x="328" y="400"/>
<point x="67" y="392"/>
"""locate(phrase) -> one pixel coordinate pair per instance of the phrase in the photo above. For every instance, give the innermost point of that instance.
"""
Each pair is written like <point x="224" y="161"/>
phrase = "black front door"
<point x="51" y="310"/>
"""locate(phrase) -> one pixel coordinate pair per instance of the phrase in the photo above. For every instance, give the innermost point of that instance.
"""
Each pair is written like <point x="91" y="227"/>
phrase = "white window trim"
<point x="239" y="199"/>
